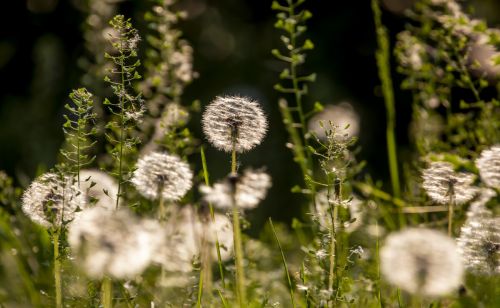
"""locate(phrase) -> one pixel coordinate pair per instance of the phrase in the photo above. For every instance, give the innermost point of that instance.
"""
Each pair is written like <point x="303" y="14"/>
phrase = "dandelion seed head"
<point x="422" y="261"/>
<point x="479" y="241"/>
<point x="99" y="186"/>
<point x="160" y="173"/>
<point x="441" y="183"/>
<point x="488" y="164"/>
<point x="52" y="200"/>
<point x="250" y="188"/>
<point x="232" y="115"/>
<point x="112" y="243"/>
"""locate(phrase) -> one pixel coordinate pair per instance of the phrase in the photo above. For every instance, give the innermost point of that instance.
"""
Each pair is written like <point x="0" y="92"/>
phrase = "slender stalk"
<point x="283" y="259"/>
<point x="57" y="268"/>
<point x="383" y="63"/>
<point x="377" y="260"/>
<point x="333" y="215"/>
<point x="200" y="288"/>
<point x="217" y="245"/>
<point x="240" y="276"/>
<point x="107" y="292"/>
<point x="451" y="207"/>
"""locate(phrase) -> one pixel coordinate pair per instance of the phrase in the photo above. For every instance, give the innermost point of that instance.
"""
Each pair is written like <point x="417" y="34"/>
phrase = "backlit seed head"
<point x="52" y="200"/>
<point x="235" y="119"/>
<point x="479" y="241"/>
<point x="342" y="116"/>
<point x="422" y="261"/>
<point x="250" y="188"/>
<point x="488" y="164"/>
<point x="443" y="184"/>
<point x="112" y="243"/>
<point x="100" y="186"/>
<point x="162" y="174"/>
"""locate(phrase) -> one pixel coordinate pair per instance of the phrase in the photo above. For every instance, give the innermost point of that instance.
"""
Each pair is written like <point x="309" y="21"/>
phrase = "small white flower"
<point x="342" y="115"/>
<point x="422" y="261"/>
<point x="162" y="174"/>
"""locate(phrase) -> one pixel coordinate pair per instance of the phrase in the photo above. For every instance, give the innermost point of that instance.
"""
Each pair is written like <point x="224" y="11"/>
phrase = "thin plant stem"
<point x="283" y="259"/>
<point x="333" y="215"/>
<point x="107" y="292"/>
<point x="377" y="261"/>
<point x="240" y="276"/>
<point x="451" y="206"/>
<point x="217" y="244"/>
<point x="200" y="288"/>
<point x="383" y="63"/>
<point x="57" y="268"/>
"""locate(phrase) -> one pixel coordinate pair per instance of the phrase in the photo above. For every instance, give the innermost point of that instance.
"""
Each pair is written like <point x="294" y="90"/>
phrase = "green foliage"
<point x="128" y="108"/>
<point x="79" y="130"/>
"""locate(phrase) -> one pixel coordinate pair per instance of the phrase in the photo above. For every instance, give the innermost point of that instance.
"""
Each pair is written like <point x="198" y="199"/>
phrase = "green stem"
<point x="240" y="277"/>
<point x="283" y="259"/>
<point x="57" y="269"/>
<point x="217" y="245"/>
<point x="107" y="292"/>
<point x="383" y="63"/>
<point x="451" y="206"/>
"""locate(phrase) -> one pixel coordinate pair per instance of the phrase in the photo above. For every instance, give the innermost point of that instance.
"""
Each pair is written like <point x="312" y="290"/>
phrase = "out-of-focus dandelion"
<point x="342" y="115"/>
<point x="422" y="261"/>
<point x="324" y="217"/>
<point x="488" y="164"/>
<point x="249" y="189"/>
<point x="99" y="186"/>
<point x="232" y="122"/>
<point x="479" y="241"/>
<point x="442" y="183"/>
<point x="161" y="174"/>
<point x="184" y="234"/>
<point x="52" y="200"/>
<point x="445" y="186"/>
<point x="112" y="243"/>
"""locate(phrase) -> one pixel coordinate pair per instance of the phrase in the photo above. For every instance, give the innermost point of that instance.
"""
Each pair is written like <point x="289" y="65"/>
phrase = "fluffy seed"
<point x="488" y="164"/>
<point x="230" y="118"/>
<point x="422" y="261"/>
<point x="162" y="174"/>
<point x="442" y="184"/>
<point x="52" y="200"/>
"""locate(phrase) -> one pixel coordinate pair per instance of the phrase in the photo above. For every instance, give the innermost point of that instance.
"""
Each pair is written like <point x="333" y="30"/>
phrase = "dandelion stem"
<point x="290" y="286"/>
<point x="240" y="278"/>
<point x="451" y="206"/>
<point x="107" y="292"/>
<point x="238" y="249"/>
<point x="57" y="268"/>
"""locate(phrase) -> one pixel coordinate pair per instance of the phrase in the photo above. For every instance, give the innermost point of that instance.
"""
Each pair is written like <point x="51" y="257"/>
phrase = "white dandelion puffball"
<point x="100" y="186"/>
<point x="422" y="261"/>
<point x="488" y="164"/>
<point x="233" y="117"/>
<point x="442" y="183"/>
<point x="479" y="241"/>
<point x="184" y="234"/>
<point x="160" y="173"/>
<point x="112" y="243"/>
<point x="251" y="187"/>
<point x="341" y="115"/>
<point x="52" y="200"/>
<point x="323" y="215"/>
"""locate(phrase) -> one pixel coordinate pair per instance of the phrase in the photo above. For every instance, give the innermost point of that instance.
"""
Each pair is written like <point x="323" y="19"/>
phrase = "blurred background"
<point x="44" y="50"/>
